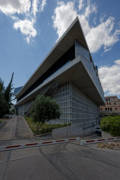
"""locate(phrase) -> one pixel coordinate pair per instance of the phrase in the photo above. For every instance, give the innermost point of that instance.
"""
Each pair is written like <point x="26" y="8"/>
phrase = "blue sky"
<point x="30" y="28"/>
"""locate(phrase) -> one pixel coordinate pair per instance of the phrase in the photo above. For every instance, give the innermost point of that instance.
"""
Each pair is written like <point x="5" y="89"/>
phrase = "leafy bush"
<point x="45" y="109"/>
<point x="42" y="128"/>
<point x="111" y="124"/>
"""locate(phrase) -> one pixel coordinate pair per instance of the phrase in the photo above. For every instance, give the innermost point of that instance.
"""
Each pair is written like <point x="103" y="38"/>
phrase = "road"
<point x="68" y="161"/>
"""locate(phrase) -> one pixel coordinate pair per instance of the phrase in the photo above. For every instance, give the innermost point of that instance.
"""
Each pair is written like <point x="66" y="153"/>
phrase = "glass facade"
<point x="76" y="107"/>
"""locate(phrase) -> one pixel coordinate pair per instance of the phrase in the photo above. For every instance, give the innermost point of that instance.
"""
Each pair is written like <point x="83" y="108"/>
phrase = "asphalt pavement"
<point x="61" y="161"/>
<point x="68" y="161"/>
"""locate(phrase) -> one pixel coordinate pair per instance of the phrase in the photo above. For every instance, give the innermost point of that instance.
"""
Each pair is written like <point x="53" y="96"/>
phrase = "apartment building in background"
<point x="67" y="74"/>
<point x="112" y="106"/>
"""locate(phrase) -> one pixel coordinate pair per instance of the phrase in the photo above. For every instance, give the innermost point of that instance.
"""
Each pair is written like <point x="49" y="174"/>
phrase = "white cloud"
<point x="89" y="9"/>
<point x="26" y="27"/>
<point x="43" y="4"/>
<point x="35" y="7"/>
<point x="81" y="4"/>
<point x="14" y="6"/>
<point x="102" y="35"/>
<point x="28" y="9"/>
<point x="64" y="14"/>
<point x="110" y="78"/>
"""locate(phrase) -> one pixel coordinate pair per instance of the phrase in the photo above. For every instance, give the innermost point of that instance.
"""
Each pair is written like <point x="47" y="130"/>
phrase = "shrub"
<point x="111" y="124"/>
<point x="44" y="109"/>
<point x="43" y="128"/>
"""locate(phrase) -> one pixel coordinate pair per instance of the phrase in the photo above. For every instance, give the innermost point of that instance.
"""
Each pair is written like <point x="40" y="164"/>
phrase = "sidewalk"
<point x="22" y="128"/>
<point x="7" y="132"/>
<point x="106" y="135"/>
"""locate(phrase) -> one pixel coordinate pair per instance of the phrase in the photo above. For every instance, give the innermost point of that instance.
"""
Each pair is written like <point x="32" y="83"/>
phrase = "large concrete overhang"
<point x="74" y="32"/>
<point x="80" y="73"/>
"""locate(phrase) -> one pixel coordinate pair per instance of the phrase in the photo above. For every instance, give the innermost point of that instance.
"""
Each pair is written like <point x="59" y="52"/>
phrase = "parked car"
<point x="98" y="131"/>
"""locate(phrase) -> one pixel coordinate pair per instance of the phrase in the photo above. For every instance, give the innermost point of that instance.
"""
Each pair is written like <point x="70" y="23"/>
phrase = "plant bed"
<point x="111" y="124"/>
<point x="43" y="128"/>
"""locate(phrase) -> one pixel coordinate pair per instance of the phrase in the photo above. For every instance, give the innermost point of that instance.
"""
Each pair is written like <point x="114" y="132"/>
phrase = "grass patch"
<point x="111" y="124"/>
<point x="42" y="128"/>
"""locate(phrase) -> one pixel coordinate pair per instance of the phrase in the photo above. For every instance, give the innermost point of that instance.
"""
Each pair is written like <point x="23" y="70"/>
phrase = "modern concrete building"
<point x="67" y="74"/>
<point x="112" y="106"/>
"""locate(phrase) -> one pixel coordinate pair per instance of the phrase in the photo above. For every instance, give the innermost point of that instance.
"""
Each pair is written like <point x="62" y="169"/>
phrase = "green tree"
<point x="3" y="105"/>
<point x="8" y="92"/>
<point x="5" y="97"/>
<point x="44" y="109"/>
<point x="2" y="88"/>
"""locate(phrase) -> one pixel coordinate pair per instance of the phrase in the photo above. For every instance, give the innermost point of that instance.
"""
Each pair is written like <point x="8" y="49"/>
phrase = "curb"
<point x="51" y="142"/>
